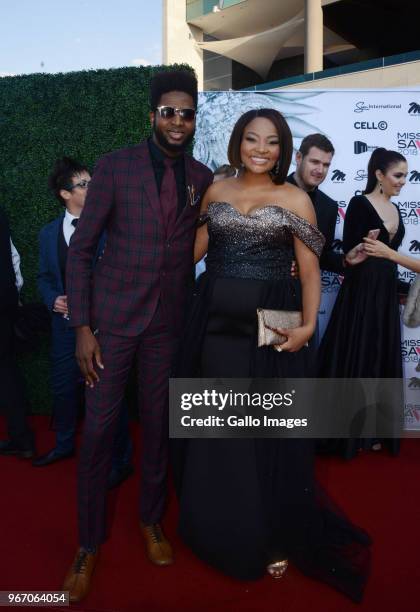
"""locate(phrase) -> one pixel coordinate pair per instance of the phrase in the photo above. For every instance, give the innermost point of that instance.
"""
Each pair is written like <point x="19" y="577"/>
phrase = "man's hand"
<point x="356" y="256"/>
<point x="60" y="305"/>
<point x="87" y="354"/>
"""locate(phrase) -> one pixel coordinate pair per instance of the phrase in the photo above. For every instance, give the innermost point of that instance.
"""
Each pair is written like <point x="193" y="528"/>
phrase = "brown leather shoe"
<point x="77" y="580"/>
<point x="158" y="548"/>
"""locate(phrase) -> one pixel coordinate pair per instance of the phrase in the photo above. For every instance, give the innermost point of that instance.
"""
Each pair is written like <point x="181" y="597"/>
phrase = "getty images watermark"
<point x="220" y="401"/>
<point x="296" y="408"/>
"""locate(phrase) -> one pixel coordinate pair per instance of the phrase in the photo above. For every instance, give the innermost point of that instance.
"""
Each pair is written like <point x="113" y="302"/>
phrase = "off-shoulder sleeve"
<point x="307" y="233"/>
<point x="202" y="219"/>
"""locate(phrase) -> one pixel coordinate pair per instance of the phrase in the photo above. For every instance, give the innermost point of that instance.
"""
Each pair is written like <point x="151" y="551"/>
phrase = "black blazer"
<point x="326" y="210"/>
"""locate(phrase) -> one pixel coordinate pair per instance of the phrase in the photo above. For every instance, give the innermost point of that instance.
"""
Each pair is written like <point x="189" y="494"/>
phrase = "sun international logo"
<point x="414" y="177"/>
<point x="414" y="108"/>
<point x="361" y="175"/>
<point x="360" y="107"/>
<point x="338" y="176"/>
<point x="415" y="246"/>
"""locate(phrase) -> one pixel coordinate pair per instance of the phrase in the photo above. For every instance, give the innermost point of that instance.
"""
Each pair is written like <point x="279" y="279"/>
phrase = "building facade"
<point x="264" y="44"/>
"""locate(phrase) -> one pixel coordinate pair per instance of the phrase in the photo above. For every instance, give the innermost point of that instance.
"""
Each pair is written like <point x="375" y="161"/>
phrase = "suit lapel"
<point x="148" y="178"/>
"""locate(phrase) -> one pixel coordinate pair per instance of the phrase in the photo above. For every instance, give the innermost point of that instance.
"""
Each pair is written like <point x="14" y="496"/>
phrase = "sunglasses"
<point x="84" y="184"/>
<point x="168" y="112"/>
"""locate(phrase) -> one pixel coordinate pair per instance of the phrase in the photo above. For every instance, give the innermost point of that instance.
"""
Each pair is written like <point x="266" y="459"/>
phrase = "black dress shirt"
<point x="157" y="157"/>
<point x="326" y="210"/>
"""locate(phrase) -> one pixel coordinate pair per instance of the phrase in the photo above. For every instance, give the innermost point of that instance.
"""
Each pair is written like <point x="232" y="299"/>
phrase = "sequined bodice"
<point x="258" y="245"/>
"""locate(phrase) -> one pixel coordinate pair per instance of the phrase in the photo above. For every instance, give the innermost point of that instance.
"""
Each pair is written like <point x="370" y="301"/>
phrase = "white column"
<point x="179" y="38"/>
<point x="313" y="36"/>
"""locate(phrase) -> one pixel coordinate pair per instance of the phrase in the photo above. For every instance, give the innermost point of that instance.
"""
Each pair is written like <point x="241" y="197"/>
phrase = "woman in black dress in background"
<point x="363" y="337"/>
<point x="248" y="505"/>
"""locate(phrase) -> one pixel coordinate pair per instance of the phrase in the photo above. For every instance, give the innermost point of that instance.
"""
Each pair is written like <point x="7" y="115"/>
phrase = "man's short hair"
<point x="225" y="170"/>
<point x="316" y="140"/>
<point x="60" y="178"/>
<point x="172" y="80"/>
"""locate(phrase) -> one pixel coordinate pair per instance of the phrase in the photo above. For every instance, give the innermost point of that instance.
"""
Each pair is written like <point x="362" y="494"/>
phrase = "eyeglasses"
<point x="84" y="184"/>
<point x="168" y="112"/>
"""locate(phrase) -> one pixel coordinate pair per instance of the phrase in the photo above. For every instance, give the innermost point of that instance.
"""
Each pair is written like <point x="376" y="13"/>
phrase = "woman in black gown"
<point x="246" y="505"/>
<point x="363" y="338"/>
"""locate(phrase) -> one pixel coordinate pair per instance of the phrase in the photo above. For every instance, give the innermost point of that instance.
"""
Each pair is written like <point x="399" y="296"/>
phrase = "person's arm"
<point x="310" y="279"/>
<point x="45" y="281"/>
<point x="202" y="236"/>
<point x="356" y="226"/>
<point x="83" y="245"/>
<point x="84" y="242"/>
<point x="376" y="248"/>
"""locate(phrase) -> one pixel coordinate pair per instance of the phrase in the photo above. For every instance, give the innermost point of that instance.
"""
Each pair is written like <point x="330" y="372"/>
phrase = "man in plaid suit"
<point x="146" y="197"/>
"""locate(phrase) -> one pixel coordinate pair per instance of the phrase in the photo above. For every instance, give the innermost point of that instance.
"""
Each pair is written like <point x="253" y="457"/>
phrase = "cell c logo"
<point x="370" y="125"/>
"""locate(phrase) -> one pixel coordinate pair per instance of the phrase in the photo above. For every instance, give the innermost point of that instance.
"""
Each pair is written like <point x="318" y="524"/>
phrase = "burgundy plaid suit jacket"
<point x="140" y="263"/>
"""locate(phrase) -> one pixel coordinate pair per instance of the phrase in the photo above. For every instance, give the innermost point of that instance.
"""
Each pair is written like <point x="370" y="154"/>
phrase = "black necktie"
<point x="168" y="195"/>
<point x="74" y="222"/>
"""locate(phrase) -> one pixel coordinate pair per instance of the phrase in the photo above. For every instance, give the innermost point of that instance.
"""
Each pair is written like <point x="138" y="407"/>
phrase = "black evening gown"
<point x="247" y="502"/>
<point x="363" y="336"/>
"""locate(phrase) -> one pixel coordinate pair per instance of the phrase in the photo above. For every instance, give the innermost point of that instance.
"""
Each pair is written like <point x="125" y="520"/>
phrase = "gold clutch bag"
<point x="267" y="319"/>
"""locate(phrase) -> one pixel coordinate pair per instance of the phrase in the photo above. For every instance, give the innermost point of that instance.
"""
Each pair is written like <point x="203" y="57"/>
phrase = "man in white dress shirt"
<point x="69" y="182"/>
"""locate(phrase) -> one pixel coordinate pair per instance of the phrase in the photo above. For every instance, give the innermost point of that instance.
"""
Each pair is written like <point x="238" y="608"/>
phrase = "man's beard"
<point x="168" y="146"/>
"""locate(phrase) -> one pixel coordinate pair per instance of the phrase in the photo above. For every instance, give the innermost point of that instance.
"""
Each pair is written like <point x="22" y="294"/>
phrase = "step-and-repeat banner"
<point x="356" y="122"/>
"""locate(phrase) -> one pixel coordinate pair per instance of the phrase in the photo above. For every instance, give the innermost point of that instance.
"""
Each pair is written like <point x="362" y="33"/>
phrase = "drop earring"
<point x="380" y="188"/>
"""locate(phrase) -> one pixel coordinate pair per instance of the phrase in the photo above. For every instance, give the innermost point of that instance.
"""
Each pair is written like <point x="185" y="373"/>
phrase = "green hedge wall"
<point x="43" y="117"/>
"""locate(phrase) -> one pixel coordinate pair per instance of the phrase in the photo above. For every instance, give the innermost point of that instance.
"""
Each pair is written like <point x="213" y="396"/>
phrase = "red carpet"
<point x="39" y="538"/>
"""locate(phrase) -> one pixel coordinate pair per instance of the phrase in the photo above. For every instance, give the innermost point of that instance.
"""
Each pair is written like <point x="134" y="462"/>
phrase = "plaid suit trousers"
<point x="154" y="348"/>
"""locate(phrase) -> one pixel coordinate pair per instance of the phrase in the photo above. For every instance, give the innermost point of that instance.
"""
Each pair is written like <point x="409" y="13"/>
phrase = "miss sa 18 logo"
<point x="408" y="143"/>
<point x="330" y="282"/>
<point x="410" y="350"/>
<point x="410" y="212"/>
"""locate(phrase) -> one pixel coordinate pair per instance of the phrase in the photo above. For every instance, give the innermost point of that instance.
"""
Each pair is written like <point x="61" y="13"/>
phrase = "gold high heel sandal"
<point x="277" y="569"/>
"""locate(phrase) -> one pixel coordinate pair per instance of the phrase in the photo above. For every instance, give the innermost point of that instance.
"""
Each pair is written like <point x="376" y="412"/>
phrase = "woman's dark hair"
<point x="381" y="159"/>
<point x="172" y="80"/>
<point x="61" y="175"/>
<point x="285" y="141"/>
